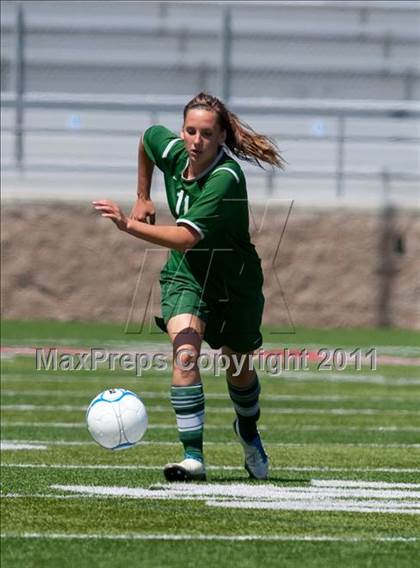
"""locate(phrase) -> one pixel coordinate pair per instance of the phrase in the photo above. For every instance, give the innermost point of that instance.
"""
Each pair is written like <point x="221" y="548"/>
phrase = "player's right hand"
<point x="144" y="210"/>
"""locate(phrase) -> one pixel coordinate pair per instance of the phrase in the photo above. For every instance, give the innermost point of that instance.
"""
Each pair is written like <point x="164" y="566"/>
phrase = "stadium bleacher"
<point x="285" y="50"/>
<point x="343" y="51"/>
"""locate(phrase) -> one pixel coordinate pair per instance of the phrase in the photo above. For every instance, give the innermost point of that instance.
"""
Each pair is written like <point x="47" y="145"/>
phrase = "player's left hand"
<point x="113" y="211"/>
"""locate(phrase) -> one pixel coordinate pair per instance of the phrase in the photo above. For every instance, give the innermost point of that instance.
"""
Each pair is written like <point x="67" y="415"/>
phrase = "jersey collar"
<point x="206" y="171"/>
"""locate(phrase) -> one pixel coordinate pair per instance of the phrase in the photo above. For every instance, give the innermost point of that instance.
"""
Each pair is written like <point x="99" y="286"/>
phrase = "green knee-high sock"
<point x="188" y="403"/>
<point x="245" y="402"/>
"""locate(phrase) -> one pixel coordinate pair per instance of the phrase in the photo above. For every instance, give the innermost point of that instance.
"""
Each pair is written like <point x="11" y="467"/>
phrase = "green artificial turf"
<point x="351" y="425"/>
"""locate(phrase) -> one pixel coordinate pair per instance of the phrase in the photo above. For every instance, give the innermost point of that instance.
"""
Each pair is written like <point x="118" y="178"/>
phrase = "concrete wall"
<point x="332" y="268"/>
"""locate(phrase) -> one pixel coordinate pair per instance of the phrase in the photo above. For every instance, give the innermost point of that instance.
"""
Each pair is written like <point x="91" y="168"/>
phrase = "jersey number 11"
<point x="180" y="195"/>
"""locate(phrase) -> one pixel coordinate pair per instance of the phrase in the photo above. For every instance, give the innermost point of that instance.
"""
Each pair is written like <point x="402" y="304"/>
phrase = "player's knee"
<point x="186" y="349"/>
<point x="186" y="358"/>
<point x="240" y="371"/>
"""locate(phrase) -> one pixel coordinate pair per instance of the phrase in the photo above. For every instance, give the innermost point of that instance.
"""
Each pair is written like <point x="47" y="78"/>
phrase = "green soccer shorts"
<point x="233" y="323"/>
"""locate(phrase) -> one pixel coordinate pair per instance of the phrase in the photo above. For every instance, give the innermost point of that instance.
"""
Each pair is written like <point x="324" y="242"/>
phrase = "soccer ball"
<point x="116" y="419"/>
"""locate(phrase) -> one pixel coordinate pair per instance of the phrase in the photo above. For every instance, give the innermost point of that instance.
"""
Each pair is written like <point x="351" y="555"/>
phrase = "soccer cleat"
<point x="256" y="460"/>
<point x="187" y="470"/>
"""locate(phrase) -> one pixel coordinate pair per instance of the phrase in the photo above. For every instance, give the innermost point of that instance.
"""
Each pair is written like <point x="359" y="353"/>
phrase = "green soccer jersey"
<point x="223" y="266"/>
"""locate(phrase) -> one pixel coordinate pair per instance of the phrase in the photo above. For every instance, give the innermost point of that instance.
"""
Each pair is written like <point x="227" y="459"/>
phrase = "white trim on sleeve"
<point x="169" y="146"/>
<point x="193" y="225"/>
<point x="235" y="175"/>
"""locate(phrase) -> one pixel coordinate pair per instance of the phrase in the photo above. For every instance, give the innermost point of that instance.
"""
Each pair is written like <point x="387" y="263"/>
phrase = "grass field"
<point x="344" y="447"/>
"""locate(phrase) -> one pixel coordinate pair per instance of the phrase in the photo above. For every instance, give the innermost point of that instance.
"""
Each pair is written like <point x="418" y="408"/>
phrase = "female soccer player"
<point x="211" y="285"/>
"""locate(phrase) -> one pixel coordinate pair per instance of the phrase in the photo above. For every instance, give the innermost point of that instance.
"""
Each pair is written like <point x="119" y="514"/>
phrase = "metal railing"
<point x="223" y="37"/>
<point x="341" y="112"/>
<point x="21" y="101"/>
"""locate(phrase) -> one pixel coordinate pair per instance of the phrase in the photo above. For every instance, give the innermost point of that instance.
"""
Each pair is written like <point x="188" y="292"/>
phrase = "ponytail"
<point x="241" y="139"/>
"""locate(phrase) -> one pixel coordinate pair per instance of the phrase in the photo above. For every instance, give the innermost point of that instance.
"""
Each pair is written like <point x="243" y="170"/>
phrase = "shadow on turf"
<point x="271" y="479"/>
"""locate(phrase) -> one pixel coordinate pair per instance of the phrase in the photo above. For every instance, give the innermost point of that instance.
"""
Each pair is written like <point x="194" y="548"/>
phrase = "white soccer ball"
<point x="117" y="419"/>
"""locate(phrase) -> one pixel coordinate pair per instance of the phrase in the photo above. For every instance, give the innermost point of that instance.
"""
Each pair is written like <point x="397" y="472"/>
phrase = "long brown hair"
<point x="241" y="139"/>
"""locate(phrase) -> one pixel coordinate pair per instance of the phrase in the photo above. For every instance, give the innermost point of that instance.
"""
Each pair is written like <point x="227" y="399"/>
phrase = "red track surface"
<point x="312" y="356"/>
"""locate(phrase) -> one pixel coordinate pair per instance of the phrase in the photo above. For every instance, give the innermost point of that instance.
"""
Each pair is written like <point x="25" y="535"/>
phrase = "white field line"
<point x="350" y="507"/>
<point x="398" y="382"/>
<point x="44" y="407"/>
<point x="213" y="443"/>
<point x="212" y="396"/>
<point x="293" y="505"/>
<point x="6" y="424"/>
<point x="245" y="496"/>
<point x="271" y="428"/>
<point x="135" y="467"/>
<point x="365" y="484"/>
<point x="44" y="496"/>
<point x="398" y="350"/>
<point x="4" y="445"/>
<point x="286" y="376"/>
<point x="207" y="537"/>
<point x="222" y="409"/>
<point x="267" y="496"/>
<point x="265" y="492"/>
<point x="357" y="492"/>
<point x="131" y="467"/>
<point x="256" y="493"/>
<point x="334" y="377"/>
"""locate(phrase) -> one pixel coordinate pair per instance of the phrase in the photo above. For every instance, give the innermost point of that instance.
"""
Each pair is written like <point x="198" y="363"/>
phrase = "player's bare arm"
<point x="179" y="238"/>
<point x="144" y="208"/>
